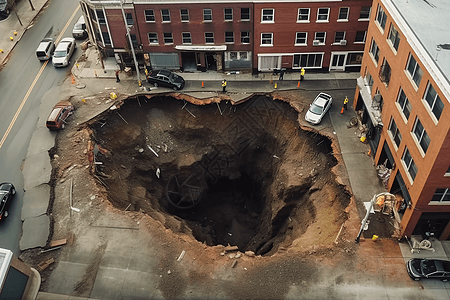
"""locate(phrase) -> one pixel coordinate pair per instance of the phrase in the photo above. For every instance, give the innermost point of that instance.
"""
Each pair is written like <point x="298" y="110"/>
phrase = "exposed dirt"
<point x="254" y="178"/>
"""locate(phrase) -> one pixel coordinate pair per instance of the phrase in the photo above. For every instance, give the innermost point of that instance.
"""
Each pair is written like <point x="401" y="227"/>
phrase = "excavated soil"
<point x="243" y="175"/>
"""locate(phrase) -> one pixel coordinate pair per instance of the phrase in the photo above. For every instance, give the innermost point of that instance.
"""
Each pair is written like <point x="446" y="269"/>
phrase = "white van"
<point x="79" y="29"/>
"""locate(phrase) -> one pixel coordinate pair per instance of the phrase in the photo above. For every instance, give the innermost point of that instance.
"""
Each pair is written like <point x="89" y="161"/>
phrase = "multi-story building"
<point x="232" y="35"/>
<point x="404" y="93"/>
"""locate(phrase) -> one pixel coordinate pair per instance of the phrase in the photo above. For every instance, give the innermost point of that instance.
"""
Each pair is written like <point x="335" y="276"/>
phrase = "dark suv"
<point x="165" y="78"/>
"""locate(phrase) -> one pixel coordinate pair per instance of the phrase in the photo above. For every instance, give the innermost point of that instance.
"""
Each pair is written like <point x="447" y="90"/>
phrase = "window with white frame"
<point x="186" y="38"/>
<point x="303" y="15"/>
<point x="374" y="51"/>
<point x="100" y="16"/>
<point x="301" y="38"/>
<point x="404" y="104"/>
<point x="129" y="18"/>
<point x="209" y="37"/>
<point x="414" y="71"/>
<point x="421" y="135"/>
<point x="369" y="80"/>
<point x="339" y="36"/>
<point x="320" y="36"/>
<point x="168" y="38"/>
<point x="434" y="101"/>
<point x="409" y="164"/>
<point x="307" y="60"/>
<point x="441" y="195"/>
<point x="360" y="36"/>
<point x="343" y="14"/>
<point x="395" y="134"/>
<point x="385" y="72"/>
<point x="245" y="37"/>
<point x="394" y="37"/>
<point x="229" y="37"/>
<point x="322" y="14"/>
<point x="245" y="14"/>
<point x="184" y="14"/>
<point x="267" y="15"/>
<point x="106" y="38"/>
<point x="364" y="14"/>
<point x="152" y="38"/>
<point x="149" y="15"/>
<point x="381" y="17"/>
<point x="266" y="39"/>
<point x="165" y="15"/>
<point x="207" y="15"/>
<point x="228" y="14"/>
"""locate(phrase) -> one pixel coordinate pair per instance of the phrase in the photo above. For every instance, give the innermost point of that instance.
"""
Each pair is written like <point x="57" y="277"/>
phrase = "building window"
<point x="229" y="37"/>
<point x="322" y="14"/>
<point x="374" y="51"/>
<point x="165" y="15"/>
<point x="395" y="133"/>
<point x="447" y="174"/>
<point x="312" y="60"/>
<point x="414" y="71"/>
<point x="303" y="15"/>
<point x="149" y="15"/>
<point x="228" y="14"/>
<point x="186" y="38"/>
<point x="394" y="37"/>
<point x="101" y="17"/>
<point x="266" y="39"/>
<point x="404" y="104"/>
<point x="441" y="195"/>
<point x="184" y="14"/>
<point x="129" y="18"/>
<point x="354" y="58"/>
<point x="421" y="135"/>
<point x="434" y="101"/>
<point x="381" y="17"/>
<point x="360" y="37"/>
<point x="207" y="15"/>
<point x="134" y="40"/>
<point x="343" y="14"/>
<point x="339" y="36"/>
<point x="385" y="73"/>
<point x="301" y="38"/>
<point x="409" y="164"/>
<point x="369" y="81"/>
<point x="320" y="36"/>
<point x="209" y="37"/>
<point x="106" y="39"/>
<point x="365" y="13"/>
<point x="245" y="37"/>
<point x="152" y="38"/>
<point x="245" y="14"/>
<point x="267" y="15"/>
<point x="168" y="38"/>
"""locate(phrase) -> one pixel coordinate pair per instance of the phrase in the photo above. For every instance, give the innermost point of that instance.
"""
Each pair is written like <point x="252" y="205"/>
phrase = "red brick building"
<point x="232" y="35"/>
<point x="404" y="93"/>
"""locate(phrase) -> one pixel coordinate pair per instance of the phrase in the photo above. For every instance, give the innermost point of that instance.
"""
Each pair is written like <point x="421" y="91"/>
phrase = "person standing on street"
<point x="345" y="102"/>
<point x="224" y="85"/>
<point x="302" y="74"/>
<point x="117" y="76"/>
<point x="281" y="74"/>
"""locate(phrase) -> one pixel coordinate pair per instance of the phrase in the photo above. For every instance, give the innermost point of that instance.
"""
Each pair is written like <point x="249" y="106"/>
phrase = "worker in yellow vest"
<point x="224" y="85"/>
<point x="302" y="74"/>
<point x="345" y="102"/>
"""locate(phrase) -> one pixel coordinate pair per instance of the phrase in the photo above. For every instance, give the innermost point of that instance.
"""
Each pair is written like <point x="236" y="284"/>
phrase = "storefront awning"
<point x="201" y="48"/>
<point x="364" y="91"/>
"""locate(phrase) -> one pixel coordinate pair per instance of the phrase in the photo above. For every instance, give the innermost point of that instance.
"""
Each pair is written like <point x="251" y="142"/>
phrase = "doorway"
<point x="188" y="59"/>
<point x="211" y="63"/>
<point x="338" y="61"/>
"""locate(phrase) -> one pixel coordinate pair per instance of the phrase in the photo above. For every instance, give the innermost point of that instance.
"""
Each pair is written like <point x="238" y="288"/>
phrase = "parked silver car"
<point x="318" y="108"/>
<point x="63" y="52"/>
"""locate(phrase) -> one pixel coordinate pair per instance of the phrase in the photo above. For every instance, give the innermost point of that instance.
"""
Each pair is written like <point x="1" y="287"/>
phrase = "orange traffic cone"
<point x="203" y="84"/>
<point x="73" y="79"/>
<point x="342" y="110"/>
<point x="298" y="84"/>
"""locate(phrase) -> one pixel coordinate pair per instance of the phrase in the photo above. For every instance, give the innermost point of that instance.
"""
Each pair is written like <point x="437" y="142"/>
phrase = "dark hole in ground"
<point x="248" y="176"/>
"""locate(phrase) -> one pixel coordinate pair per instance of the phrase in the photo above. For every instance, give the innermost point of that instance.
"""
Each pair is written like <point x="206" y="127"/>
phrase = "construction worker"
<point x="345" y="102"/>
<point x="224" y="85"/>
<point x="302" y="74"/>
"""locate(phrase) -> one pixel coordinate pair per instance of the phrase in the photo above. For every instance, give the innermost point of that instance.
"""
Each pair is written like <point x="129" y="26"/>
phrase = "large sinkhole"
<point x="243" y="175"/>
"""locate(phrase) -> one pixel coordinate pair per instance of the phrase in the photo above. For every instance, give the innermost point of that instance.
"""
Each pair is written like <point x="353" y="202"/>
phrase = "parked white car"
<point x="45" y="49"/>
<point x="318" y="108"/>
<point x="63" y="52"/>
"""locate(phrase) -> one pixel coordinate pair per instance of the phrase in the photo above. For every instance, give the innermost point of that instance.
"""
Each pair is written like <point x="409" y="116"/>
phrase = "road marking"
<point x="34" y="83"/>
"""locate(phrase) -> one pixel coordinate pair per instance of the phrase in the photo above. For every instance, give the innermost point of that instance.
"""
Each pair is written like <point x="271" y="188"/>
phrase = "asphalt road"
<point x="23" y="82"/>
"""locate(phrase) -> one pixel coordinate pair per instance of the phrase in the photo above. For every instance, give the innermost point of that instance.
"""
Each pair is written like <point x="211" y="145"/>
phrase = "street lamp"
<point x="131" y="43"/>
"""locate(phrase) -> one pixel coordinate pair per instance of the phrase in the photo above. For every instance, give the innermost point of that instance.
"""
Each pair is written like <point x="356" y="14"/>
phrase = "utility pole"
<point x="131" y="43"/>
